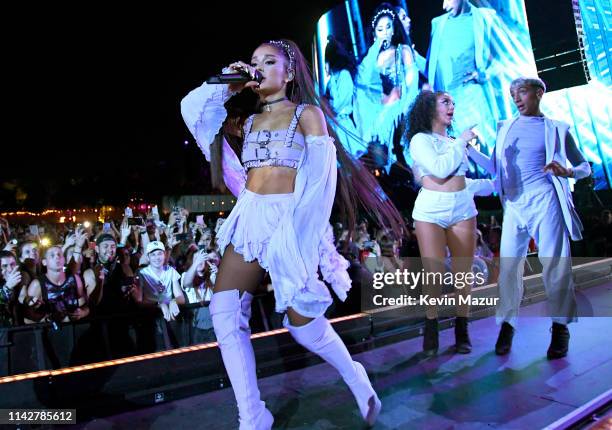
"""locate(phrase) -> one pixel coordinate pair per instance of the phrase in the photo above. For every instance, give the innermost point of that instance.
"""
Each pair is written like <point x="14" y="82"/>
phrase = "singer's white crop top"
<point x="435" y="155"/>
<point x="273" y="147"/>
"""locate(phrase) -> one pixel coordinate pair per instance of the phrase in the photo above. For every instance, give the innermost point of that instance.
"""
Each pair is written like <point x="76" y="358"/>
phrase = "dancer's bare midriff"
<point x="450" y="184"/>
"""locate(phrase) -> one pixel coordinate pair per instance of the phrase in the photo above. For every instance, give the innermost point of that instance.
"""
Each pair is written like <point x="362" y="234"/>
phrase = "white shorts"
<point x="444" y="208"/>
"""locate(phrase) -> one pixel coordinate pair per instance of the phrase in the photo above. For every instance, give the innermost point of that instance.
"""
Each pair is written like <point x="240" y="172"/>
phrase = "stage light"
<point x="45" y="242"/>
<point x="86" y="224"/>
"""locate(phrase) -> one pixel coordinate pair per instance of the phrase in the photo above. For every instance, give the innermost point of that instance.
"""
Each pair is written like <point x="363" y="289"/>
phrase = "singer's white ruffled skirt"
<point x="249" y="228"/>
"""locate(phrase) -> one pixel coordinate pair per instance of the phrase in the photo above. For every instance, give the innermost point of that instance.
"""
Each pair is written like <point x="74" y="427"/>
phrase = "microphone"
<point x="234" y="77"/>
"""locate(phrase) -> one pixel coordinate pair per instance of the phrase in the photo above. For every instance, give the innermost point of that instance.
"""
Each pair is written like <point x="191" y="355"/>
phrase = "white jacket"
<point x="560" y="147"/>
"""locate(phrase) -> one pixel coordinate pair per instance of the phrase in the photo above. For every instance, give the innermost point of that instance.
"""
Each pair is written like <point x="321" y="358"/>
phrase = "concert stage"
<point x="476" y="391"/>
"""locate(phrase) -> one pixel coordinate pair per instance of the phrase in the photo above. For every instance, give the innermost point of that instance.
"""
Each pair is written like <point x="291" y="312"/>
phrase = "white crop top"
<point x="435" y="155"/>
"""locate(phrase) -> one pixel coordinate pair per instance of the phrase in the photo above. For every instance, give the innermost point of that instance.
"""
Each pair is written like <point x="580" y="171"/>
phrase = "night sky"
<point x="94" y="91"/>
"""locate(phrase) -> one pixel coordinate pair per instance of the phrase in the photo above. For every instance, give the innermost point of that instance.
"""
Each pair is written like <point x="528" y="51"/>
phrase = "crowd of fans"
<point x="101" y="269"/>
<point x="137" y="263"/>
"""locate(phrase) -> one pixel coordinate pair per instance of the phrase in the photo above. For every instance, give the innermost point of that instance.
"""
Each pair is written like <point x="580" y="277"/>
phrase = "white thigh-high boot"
<point x="231" y="314"/>
<point x="318" y="336"/>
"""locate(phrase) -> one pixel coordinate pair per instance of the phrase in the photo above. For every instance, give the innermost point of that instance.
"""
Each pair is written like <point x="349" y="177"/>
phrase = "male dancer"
<point x="529" y="165"/>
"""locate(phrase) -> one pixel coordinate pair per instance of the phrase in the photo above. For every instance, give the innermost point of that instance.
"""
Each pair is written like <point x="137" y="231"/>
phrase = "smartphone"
<point x="107" y="227"/>
<point x="154" y="210"/>
<point x="200" y="220"/>
<point x="182" y="236"/>
<point x="202" y="247"/>
<point x="128" y="212"/>
<point x="136" y="221"/>
<point x="34" y="230"/>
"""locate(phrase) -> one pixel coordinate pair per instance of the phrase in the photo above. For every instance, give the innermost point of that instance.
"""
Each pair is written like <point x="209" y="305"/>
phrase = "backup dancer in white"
<point x="285" y="187"/>
<point x="444" y="212"/>
<point x="530" y="165"/>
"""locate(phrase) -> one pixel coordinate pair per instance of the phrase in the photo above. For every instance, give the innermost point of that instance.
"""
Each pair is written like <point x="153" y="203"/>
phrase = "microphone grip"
<point x="233" y="78"/>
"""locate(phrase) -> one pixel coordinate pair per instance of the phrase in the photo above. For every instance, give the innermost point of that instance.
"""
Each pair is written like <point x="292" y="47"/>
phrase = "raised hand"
<point x="80" y="238"/>
<point x="70" y="240"/>
<point x="468" y="134"/>
<point x="239" y="66"/>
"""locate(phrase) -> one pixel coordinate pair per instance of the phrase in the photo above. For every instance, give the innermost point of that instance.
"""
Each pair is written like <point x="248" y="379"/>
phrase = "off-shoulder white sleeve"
<point x="203" y="111"/>
<point x="440" y="165"/>
<point x="294" y="252"/>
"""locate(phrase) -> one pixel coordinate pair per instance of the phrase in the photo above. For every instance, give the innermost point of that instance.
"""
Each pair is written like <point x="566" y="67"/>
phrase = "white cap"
<point x="154" y="246"/>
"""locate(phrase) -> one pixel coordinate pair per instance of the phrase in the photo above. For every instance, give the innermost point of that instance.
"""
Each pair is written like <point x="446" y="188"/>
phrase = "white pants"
<point x="535" y="213"/>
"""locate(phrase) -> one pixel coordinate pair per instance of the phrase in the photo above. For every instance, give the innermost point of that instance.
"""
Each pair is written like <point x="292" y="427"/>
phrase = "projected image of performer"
<point x="387" y="81"/>
<point x="406" y="22"/>
<point x="285" y="183"/>
<point x="529" y="163"/>
<point x="461" y="62"/>
<point x="340" y="66"/>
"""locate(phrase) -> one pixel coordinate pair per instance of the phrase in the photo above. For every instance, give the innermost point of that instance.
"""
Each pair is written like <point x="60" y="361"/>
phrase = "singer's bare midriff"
<point x="271" y="180"/>
<point x="450" y="184"/>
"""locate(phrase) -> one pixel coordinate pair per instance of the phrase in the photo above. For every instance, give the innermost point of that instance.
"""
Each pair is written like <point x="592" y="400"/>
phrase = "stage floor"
<point x="522" y="390"/>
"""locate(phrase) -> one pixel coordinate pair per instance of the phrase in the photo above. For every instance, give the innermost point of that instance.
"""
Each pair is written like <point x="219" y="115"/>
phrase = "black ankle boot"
<point x="462" y="338"/>
<point x="430" y="337"/>
<point x="504" y="340"/>
<point x="559" y="341"/>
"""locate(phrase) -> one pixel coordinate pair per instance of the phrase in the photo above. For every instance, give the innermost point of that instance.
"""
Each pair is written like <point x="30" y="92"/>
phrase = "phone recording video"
<point x="136" y="221"/>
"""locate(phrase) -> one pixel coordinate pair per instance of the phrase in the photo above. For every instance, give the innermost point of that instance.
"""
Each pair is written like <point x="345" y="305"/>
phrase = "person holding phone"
<point x="444" y="211"/>
<point x="57" y="296"/>
<point x="105" y="279"/>
<point x="197" y="283"/>
<point x="285" y="188"/>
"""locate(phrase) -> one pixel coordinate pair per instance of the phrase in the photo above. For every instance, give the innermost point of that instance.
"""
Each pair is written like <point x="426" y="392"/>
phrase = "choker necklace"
<point x="267" y="107"/>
